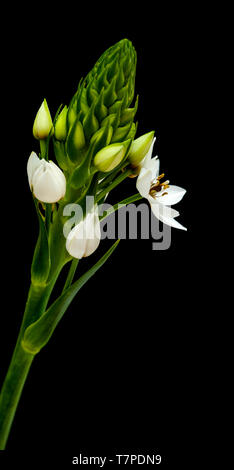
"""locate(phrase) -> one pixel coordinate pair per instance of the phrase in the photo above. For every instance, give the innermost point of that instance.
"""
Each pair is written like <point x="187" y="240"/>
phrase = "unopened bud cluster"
<point x="99" y="114"/>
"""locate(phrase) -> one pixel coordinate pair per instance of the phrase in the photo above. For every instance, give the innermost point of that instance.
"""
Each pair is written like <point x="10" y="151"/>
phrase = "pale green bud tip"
<point x="60" y="128"/>
<point x="110" y="157"/>
<point x="139" y="148"/>
<point x="78" y="136"/>
<point x="43" y="122"/>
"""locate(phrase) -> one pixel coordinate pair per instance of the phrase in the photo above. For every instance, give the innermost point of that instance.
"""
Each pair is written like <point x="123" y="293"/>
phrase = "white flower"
<point x="159" y="194"/>
<point x="46" y="180"/>
<point x="85" y="237"/>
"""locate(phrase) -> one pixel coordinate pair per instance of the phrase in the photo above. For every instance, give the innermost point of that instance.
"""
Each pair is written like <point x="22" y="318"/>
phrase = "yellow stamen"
<point x="161" y="176"/>
<point x="157" y="186"/>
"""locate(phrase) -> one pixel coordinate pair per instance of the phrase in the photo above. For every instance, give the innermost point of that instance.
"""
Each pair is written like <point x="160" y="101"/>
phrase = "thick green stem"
<point x="12" y="389"/>
<point x="21" y="360"/>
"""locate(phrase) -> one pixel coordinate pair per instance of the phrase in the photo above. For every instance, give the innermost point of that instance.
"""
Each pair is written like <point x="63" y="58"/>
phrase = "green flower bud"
<point x="71" y="114"/>
<point x="43" y="123"/>
<point x="139" y="148"/>
<point x="75" y="142"/>
<point x="111" y="156"/>
<point x="60" y="128"/>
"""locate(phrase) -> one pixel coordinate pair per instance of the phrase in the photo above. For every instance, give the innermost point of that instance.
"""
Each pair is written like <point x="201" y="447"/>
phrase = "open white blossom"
<point x="46" y="180"/>
<point x="159" y="194"/>
<point x="85" y="237"/>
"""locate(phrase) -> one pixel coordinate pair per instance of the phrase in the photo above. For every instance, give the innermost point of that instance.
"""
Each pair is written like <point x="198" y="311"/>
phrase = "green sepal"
<point x="102" y="138"/>
<point x="116" y="107"/>
<point x="100" y="110"/>
<point x="60" y="125"/>
<point x="120" y="78"/>
<point x="91" y="93"/>
<point x="121" y="133"/>
<point x="113" y="68"/>
<point x="75" y="143"/>
<point x="41" y="259"/>
<point x="60" y="154"/>
<point x="133" y="130"/>
<point x="128" y="114"/>
<point x="82" y="103"/>
<point x="110" y="95"/>
<point x="71" y="113"/>
<point x="102" y="79"/>
<point x="82" y="173"/>
<point x="90" y="123"/>
<point x="110" y="119"/>
<point x="37" y="335"/>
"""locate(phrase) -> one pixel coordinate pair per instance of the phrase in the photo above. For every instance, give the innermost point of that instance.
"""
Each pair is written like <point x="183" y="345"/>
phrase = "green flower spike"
<point x="99" y="113"/>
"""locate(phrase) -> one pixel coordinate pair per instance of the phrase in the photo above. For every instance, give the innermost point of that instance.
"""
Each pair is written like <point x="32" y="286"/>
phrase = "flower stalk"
<point x="21" y="361"/>
<point x="95" y="149"/>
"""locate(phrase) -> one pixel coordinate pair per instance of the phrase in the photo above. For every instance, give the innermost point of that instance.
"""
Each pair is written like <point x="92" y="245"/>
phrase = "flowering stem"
<point x="113" y="185"/>
<point x="21" y="360"/>
<point x="119" y="205"/>
<point x="71" y="274"/>
<point x="48" y="211"/>
<point x="44" y="149"/>
<point x="12" y="389"/>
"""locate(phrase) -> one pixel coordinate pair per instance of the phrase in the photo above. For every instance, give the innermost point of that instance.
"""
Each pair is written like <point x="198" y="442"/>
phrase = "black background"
<point x="120" y="372"/>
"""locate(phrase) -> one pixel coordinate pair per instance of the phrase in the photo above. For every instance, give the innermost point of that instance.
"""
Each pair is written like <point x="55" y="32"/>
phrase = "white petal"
<point x="153" y="166"/>
<point x="48" y="182"/>
<point x="93" y="233"/>
<point x="76" y="243"/>
<point x="85" y="237"/>
<point x="32" y="165"/>
<point x="148" y="155"/>
<point x="173" y="196"/>
<point x="165" y="214"/>
<point x="92" y="243"/>
<point x="60" y="175"/>
<point x="144" y="181"/>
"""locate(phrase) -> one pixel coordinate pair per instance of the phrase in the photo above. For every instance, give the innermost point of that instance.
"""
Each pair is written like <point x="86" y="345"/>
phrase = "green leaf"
<point x="41" y="260"/>
<point x="38" y="334"/>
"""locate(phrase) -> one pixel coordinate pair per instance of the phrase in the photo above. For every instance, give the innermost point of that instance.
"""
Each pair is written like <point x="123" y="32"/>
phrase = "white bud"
<point x="46" y="180"/>
<point x="85" y="237"/>
<point x="43" y="122"/>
